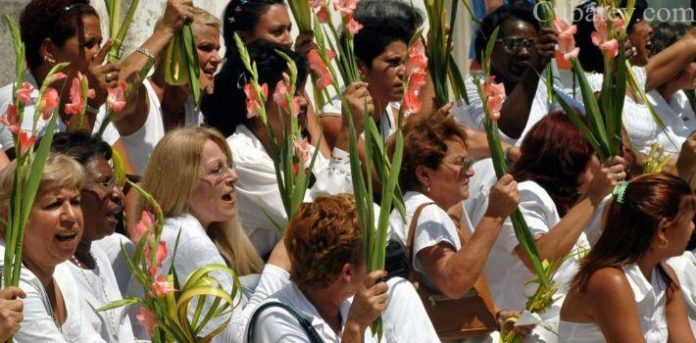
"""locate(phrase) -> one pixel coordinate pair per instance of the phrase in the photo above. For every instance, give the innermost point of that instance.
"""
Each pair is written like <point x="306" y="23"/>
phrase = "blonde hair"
<point x="170" y="177"/>
<point x="60" y="171"/>
<point x="203" y="17"/>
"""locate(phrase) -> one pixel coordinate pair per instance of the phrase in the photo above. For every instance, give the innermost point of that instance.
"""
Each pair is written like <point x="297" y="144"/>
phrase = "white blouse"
<point x="98" y="288"/>
<point x="651" y="300"/>
<point x="678" y="117"/>
<point x="110" y="136"/>
<point x="472" y="115"/>
<point x="258" y="196"/>
<point x="685" y="268"/>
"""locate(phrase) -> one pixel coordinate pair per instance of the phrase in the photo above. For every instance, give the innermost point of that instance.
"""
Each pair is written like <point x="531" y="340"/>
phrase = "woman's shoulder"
<point x="608" y="282"/>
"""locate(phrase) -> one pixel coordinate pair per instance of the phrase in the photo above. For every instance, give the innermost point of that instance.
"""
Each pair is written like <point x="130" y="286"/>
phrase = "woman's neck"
<point x="82" y="254"/>
<point x="647" y="263"/>
<point x="43" y="273"/>
<point x="327" y="304"/>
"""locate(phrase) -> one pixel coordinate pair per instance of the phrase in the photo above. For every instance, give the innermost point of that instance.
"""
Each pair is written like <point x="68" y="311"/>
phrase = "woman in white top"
<point x="669" y="100"/>
<point x="623" y="292"/>
<point x="52" y="308"/>
<point x="325" y="245"/>
<point x="435" y="173"/>
<point x="260" y="205"/>
<point x="102" y="202"/>
<point x="202" y="209"/>
<point x="650" y="71"/>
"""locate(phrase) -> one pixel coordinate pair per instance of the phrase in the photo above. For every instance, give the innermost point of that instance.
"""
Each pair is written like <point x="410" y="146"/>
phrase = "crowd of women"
<point x="622" y="238"/>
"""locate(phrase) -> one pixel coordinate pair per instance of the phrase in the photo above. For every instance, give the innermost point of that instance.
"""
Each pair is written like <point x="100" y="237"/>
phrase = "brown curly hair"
<point x="321" y="238"/>
<point x="424" y="144"/>
<point x="43" y="19"/>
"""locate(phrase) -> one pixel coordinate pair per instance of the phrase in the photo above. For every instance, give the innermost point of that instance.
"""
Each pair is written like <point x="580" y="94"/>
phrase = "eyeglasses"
<point x="220" y="171"/>
<point x="515" y="45"/>
<point x="108" y="185"/>
<point x="463" y="163"/>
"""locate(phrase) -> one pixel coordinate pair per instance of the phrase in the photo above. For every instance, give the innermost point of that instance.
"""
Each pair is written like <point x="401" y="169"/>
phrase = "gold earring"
<point x="49" y="60"/>
<point x="664" y="244"/>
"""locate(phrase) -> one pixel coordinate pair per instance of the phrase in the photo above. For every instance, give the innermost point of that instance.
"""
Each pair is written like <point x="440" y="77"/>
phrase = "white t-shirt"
<point x="434" y="227"/>
<point x="98" y="288"/>
<point x="258" y="196"/>
<point x="111" y="247"/>
<point x="651" y="300"/>
<point x="638" y="121"/>
<point x="110" y="135"/>
<point x="472" y="115"/>
<point x="685" y="268"/>
<point x="678" y="117"/>
<point x="387" y="122"/>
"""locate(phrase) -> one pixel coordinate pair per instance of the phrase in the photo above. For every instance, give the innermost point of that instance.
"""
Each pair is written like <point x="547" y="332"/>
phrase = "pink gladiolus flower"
<point x="346" y="7"/>
<point x="77" y="104"/>
<point x="411" y="101"/>
<point x="280" y="95"/>
<point x="144" y="225"/>
<point x="417" y="62"/>
<point x="146" y="317"/>
<point x="26" y="141"/>
<point x="162" y="287"/>
<point x="11" y="119"/>
<point x="353" y="26"/>
<point x="160" y="255"/>
<point x="24" y="93"/>
<point x="302" y="150"/>
<point x="317" y="64"/>
<point x="50" y="101"/>
<point x="319" y="7"/>
<point x="566" y="41"/>
<point x="56" y="77"/>
<point x="253" y="102"/>
<point x="495" y="97"/>
<point x="116" y="97"/>
<point x="611" y="47"/>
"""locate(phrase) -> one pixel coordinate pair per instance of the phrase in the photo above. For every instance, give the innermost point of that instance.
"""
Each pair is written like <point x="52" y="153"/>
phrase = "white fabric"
<point x="98" y="288"/>
<point x="6" y="141"/>
<point x="651" y="299"/>
<point x="38" y="324"/>
<point x="387" y="122"/>
<point x="193" y="116"/>
<point x="111" y="246"/>
<point x="638" y="121"/>
<point x="140" y="143"/>
<point x="434" y="227"/>
<point x="258" y="196"/>
<point x="472" y="115"/>
<point x="110" y="135"/>
<point x="479" y="189"/>
<point x="685" y="268"/>
<point x="678" y="117"/>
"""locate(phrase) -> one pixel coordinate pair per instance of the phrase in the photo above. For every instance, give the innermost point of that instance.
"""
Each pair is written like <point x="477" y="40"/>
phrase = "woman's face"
<point x="679" y="233"/>
<point x="641" y="38"/>
<point x="273" y="26"/>
<point x="213" y="199"/>
<point x="208" y="47"/>
<point x="102" y="200"/>
<point x="584" y="179"/>
<point x="54" y="229"/>
<point x="449" y="183"/>
<point x="385" y="76"/>
<point x="516" y="50"/>
<point x="80" y="49"/>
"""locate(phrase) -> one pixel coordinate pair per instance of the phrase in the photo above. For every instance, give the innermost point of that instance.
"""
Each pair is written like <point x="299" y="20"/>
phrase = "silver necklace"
<point x="111" y="326"/>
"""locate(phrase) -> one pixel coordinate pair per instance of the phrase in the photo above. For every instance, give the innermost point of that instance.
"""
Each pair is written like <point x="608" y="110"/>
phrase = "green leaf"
<point x="120" y="303"/>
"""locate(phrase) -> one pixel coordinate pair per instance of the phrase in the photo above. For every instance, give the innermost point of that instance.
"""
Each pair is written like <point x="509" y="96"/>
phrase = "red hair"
<point x="554" y="155"/>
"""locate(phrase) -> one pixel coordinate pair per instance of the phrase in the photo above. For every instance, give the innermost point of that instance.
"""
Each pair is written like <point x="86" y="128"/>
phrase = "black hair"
<point x="240" y="16"/>
<point x="499" y="17"/>
<point x="384" y="22"/>
<point x="225" y="108"/>
<point x="81" y="146"/>
<point x="666" y="34"/>
<point x="54" y="19"/>
<point x="590" y="56"/>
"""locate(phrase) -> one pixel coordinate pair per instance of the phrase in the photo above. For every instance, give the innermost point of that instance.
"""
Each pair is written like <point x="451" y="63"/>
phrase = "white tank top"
<point x="651" y="299"/>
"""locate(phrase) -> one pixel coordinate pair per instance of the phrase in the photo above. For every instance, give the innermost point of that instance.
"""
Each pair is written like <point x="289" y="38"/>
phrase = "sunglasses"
<point x="515" y="45"/>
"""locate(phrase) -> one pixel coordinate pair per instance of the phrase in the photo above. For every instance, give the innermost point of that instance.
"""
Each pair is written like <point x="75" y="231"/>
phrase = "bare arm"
<point x="677" y="318"/>
<point x="4" y="160"/>
<point x="613" y="306"/>
<point x="668" y="63"/>
<point x="455" y="272"/>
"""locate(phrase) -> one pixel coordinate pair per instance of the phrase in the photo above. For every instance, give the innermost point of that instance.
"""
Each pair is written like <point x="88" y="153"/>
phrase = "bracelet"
<point x="146" y="52"/>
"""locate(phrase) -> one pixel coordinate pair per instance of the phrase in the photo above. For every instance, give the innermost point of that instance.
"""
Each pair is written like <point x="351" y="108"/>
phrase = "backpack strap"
<point x="304" y="323"/>
<point x="411" y="234"/>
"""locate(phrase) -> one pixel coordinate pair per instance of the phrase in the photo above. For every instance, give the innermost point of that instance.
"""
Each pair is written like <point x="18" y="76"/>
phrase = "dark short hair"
<point x="666" y="34"/>
<point x="81" y="146"/>
<point x="54" y="19"/>
<point x="590" y="56"/>
<point x="499" y="17"/>
<point x="225" y="108"/>
<point x="384" y="22"/>
<point x="241" y="16"/>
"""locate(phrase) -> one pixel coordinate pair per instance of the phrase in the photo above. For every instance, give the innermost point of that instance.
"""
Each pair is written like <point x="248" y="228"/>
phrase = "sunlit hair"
<point x="425" y="144"/>
<point x="60" y="171"/>
<point x="321" y="238"/>
<point x="554" y="155"/>
<point x="170" y="176"/>
<point x="630" y="232"/>
<point x="204" y="18"/>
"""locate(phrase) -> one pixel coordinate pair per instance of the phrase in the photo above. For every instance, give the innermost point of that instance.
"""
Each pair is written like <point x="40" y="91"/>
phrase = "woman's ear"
<point x="47" y="50"/>
<point x="346" y="274"/>
<point x="423" y="175"/>
<point x="362" y="69"/>
<point x="661" y="236"/>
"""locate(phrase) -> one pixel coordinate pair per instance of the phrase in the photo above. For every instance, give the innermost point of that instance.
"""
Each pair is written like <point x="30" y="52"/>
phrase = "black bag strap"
<point x="304" y="323"/>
